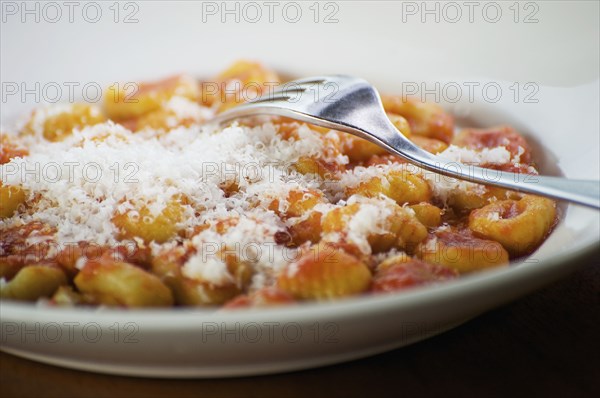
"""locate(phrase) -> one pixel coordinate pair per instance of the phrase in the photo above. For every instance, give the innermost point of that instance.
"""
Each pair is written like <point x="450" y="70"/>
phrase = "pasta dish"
<point x="140" y="202"/>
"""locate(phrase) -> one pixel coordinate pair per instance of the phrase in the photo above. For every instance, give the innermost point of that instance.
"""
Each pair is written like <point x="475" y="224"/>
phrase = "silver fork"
<point x="353" y="105"/>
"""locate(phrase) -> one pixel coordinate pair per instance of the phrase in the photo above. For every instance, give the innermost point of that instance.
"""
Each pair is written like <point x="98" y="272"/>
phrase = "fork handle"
<point x="585" y="192"/>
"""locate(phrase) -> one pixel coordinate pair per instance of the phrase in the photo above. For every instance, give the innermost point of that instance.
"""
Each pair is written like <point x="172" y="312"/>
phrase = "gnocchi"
<point x="519" y="225"/>
<point x="324" y="272"/>
<point x="57" y="122"/>
<point x="462" y="252"/>
<point x="265" y="211"/>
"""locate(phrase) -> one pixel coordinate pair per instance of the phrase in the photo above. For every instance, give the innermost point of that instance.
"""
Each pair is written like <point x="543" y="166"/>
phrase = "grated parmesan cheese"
<point x="493" y="216"/>
<point x="487" y="156"/>
<point x="444" y="187"/>
<point x="370" y="219"/>
<point x="184" y="108"/>
<point x="209" y="269"/>
<point x="106" y="169"/>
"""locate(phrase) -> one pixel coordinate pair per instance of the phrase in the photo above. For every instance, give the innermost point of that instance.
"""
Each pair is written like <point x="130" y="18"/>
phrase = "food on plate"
<point x="140" y="202"/>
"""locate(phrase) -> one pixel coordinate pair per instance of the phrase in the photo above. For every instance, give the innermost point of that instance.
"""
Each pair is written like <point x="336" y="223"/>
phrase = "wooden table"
<point x="545" y="344"/>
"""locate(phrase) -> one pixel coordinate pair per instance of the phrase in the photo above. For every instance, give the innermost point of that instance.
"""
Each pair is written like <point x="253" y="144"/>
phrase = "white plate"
<point x="383" y="44"/>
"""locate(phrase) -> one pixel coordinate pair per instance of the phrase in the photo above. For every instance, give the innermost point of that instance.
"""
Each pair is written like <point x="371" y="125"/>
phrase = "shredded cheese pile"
<point x="103" y="170"/>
